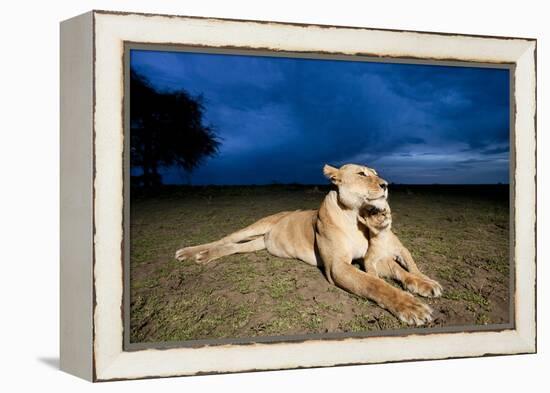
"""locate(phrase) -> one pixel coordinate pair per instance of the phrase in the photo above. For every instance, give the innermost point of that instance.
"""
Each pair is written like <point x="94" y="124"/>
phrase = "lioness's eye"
<point x="362" y="174"/>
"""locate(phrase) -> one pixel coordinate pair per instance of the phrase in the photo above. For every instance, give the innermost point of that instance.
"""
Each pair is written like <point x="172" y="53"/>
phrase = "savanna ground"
<point x="459" y="235"/>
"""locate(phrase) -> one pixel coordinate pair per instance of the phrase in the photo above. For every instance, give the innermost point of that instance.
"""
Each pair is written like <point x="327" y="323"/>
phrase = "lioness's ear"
<point x="332" y="173"/>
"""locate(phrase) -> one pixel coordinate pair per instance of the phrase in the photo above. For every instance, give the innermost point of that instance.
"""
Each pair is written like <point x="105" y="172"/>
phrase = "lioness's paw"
<point x="188" y="252"/>
<point x="182" y="254"/>
<point x="412" y="311"/>
<point x="204" y="256"/>
<point x="425" y="286"/>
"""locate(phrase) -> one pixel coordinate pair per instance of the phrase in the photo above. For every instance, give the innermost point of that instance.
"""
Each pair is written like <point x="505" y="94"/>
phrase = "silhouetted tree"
<point x="167" y="129"/>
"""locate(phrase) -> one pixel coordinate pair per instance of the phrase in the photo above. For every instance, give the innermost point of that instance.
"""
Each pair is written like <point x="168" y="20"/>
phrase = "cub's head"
<point x="358" y="186"/>
<point x="376" y="220"/>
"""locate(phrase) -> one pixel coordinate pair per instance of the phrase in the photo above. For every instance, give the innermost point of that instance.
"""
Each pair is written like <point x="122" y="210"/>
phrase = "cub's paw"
<point x="425" y="286"/>
<point x="411" y="310"/>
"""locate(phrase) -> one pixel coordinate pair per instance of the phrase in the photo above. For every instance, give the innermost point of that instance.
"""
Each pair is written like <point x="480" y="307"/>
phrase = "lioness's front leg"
<point x="401" y="304"/>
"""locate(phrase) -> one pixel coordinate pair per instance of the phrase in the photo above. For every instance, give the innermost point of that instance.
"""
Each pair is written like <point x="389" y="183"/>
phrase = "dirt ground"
<point x="459" y="235"/>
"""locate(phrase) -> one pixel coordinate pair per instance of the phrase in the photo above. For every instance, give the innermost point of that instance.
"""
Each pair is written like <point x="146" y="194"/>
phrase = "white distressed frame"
<point x="111" y="30"/>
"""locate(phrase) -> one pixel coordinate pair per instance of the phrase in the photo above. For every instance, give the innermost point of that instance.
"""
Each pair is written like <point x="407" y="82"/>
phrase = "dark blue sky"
<point x="281" y="119"/>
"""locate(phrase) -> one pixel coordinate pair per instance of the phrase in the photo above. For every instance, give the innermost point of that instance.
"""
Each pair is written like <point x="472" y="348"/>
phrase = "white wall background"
<point x="29" y="194"/>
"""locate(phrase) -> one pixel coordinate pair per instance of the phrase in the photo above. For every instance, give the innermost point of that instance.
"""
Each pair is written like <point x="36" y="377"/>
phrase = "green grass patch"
<point x="468" y="296"/>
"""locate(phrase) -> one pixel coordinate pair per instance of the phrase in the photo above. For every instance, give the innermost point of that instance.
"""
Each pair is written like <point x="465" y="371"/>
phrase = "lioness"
<point x="387" y="257"/>
<point x="330" y="238"/>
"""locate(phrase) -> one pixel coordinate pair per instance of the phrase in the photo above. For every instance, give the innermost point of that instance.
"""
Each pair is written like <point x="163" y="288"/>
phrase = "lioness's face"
<point x="358" y="186"/>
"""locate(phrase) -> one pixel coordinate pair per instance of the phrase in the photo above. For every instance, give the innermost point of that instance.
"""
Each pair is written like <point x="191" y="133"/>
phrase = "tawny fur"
<point x="329" y="238"/>
<point x="387" y="257"/>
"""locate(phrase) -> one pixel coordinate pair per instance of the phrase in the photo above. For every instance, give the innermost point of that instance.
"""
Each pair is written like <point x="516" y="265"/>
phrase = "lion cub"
<point x="387" y="257"/>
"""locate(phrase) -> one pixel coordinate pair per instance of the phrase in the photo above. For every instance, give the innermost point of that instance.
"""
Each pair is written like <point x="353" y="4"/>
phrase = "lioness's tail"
<point x="251" y="232"/>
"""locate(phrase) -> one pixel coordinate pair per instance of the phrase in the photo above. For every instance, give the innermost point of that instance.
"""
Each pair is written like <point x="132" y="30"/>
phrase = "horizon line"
<point x="329" y="185"/>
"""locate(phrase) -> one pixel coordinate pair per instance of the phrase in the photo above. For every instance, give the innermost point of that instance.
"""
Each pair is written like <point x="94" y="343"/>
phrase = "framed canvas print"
<point x="245" y="195"/>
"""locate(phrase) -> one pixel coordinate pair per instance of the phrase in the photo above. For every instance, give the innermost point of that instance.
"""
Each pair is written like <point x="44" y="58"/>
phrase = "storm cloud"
<point x="281" y="119"/>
